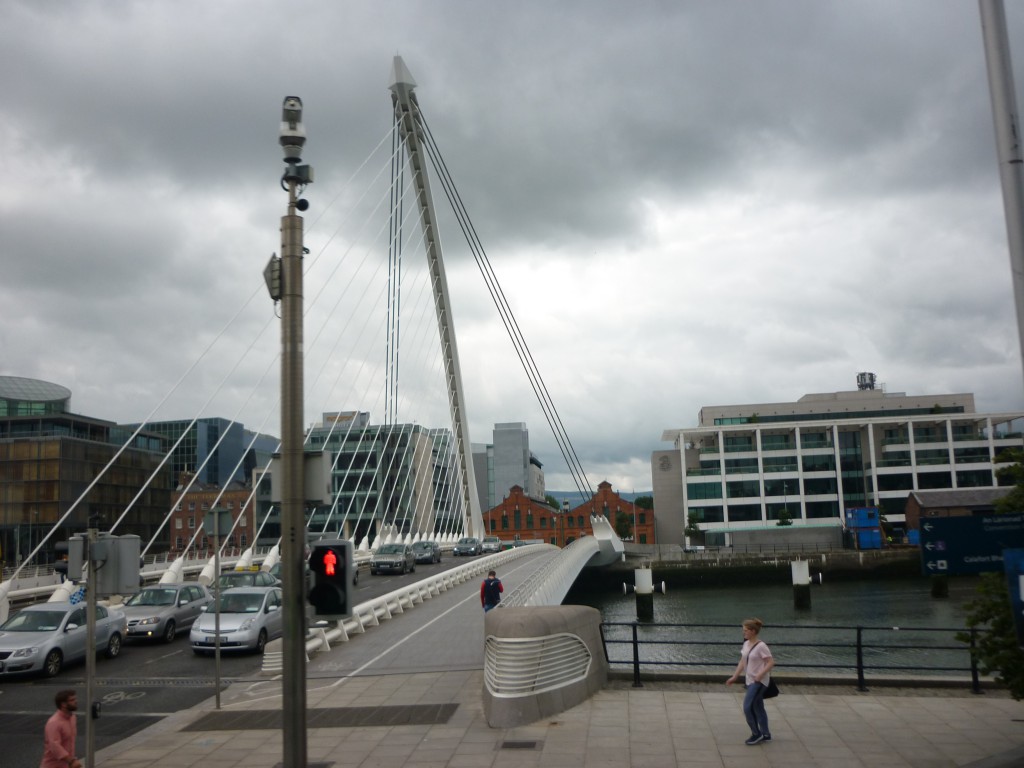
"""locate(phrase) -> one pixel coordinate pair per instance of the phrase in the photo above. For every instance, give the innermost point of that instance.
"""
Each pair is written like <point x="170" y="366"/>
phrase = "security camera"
<point x="293" y="134"/>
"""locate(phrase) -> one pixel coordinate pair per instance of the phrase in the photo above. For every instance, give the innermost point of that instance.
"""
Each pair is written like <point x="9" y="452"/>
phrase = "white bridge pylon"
<point x="410" y="126"/>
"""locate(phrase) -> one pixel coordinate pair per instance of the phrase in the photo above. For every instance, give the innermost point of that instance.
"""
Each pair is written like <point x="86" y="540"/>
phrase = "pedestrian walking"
<point x="60" y="733"/>
<point x="490" y="591"/>
<point x="756" y="664"/>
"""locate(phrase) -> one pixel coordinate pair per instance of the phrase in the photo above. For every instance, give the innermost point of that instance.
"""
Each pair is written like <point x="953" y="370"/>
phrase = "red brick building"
<point x="191" y="508"/>
<point x="520" y="517"/>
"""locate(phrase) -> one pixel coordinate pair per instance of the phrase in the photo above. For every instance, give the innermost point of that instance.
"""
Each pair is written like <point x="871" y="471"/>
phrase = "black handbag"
<point x="773" y="689"/>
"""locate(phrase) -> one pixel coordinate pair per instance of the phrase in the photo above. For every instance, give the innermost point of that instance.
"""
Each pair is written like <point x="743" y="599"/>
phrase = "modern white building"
<point x="743" y="466"/>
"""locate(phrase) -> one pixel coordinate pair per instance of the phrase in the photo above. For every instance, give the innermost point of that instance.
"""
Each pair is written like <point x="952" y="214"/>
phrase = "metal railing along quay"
<point x="917" y="655"/>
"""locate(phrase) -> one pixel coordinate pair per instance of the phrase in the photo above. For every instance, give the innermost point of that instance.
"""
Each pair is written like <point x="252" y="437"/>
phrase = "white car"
<point x="250" y="617"/>
<point x="45" y="636"/>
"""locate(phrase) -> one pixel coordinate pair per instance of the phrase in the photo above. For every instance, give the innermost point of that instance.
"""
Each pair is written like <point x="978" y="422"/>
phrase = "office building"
<point x="744" y="468"/>
<point x="53" y="462"/>
<point x="505" y="463"/>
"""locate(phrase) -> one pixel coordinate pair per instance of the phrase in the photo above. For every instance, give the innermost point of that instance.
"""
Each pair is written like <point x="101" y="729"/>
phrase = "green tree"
<point x="785" y="517"/>
<point x="552" y="501"/>
<point x="692" y="526"/>
<point x="997" y="650"/>
<point x="644" y="502"/>
<point x="623" y="525"/>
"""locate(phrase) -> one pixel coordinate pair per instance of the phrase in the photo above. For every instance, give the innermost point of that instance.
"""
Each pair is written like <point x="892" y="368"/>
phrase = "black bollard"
<point x="940" y="586"/>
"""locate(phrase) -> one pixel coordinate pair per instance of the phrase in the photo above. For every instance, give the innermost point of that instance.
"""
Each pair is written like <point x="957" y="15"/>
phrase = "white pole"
<point x="1008" y="143"/>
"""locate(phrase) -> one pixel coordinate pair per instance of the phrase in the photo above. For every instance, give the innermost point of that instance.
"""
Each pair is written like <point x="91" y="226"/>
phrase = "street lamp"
<point x="561" y="527"/>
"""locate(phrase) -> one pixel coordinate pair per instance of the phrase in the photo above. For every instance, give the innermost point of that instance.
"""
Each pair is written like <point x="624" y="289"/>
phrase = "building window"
<point x="529" y="520"/>
<point x="243" y="539"/>
<point x="231" y="505"/>
<point x="504" y="524"/>
<point x="178" y="544"/>
<point x="543" y="522"/>
<point x="643" y="538"/>
<point x="241" y="521"/>
<point x="191" y="506"/>
<point x="179" y="506"/>
<point x="641" y="520"/>
<point x="191" y="523"/>
<point x="494" y="525"/>
<point x="177" y="523"/>
<point x="579" y="521"/>
<point x="517" y="519"/>
<point x="206" y="506"/>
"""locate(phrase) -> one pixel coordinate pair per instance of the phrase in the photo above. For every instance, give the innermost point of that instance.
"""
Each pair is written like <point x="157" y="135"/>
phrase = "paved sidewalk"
<point x="400" y="720"/>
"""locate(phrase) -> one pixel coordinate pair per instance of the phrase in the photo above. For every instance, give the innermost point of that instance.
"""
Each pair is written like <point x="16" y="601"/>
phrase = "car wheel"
<point x="373" y="572"/>
<point x="355" y="578"/>
<point x="405" y="568"/>
<point x="170" y="631"/>
<point x="412" y="568"/>
<point x="52" y="663"/>
<point x="113" y="646"/>
<point x="261" y="641"/>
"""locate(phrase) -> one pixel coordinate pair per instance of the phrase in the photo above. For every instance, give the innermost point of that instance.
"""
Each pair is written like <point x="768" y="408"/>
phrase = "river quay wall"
<point x="726" y="567"/>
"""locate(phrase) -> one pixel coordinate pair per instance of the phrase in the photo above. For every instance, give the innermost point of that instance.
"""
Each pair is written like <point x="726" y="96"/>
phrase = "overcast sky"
<point x="687" y="204"/>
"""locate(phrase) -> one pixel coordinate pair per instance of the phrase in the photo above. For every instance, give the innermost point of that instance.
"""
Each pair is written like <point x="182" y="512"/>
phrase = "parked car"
<point x="467" y="545"/>
<point x="163" y="610"/>
<point x="427" y="552"/>
<point x="490" y="544"/>
<point x="250" y="617"/>
<point x="46" y="636"/>
<point x="393" y="558"/>
<point x="232" y="579"/>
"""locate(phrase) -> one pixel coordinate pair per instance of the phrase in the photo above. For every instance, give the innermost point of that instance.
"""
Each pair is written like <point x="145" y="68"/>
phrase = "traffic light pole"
<point x="293" y="522"/>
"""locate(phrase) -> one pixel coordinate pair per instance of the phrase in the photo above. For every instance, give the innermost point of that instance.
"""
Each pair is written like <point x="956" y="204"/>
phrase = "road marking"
<point x="161" y="658"/>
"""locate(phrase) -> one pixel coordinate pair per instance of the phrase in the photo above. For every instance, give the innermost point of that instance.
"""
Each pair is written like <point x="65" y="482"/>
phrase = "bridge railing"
<point x="372" y="612"/>
<point x="549" y="583"/>
<point x="844" y="652"/>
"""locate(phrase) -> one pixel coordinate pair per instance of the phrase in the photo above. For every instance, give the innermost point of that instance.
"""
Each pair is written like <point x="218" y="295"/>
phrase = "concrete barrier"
<point x="540" y="661"/>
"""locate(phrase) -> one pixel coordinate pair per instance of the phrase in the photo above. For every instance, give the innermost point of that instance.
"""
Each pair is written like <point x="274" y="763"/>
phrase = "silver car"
<point x="393" y="558"/>
<point x="46" y="636"/>
<point x="427" y="552"/>
<point x="250" y="617"/>
<point x="467" y="545"/>
<point x="161" y="611"/>
<point x="490" y="544"/>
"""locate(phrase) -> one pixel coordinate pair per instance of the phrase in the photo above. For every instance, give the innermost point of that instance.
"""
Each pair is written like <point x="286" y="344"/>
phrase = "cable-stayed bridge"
<point x="380" y="342"/>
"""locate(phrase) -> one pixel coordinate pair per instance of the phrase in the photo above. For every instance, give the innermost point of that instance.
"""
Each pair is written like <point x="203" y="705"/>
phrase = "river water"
<point x="896" y="613"/>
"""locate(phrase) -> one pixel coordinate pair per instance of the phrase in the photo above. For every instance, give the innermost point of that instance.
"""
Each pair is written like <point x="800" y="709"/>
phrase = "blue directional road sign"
<point x="962" y="545"/>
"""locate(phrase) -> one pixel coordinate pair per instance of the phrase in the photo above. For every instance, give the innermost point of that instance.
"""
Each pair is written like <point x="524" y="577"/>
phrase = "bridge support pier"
<point x="540" y="661"/>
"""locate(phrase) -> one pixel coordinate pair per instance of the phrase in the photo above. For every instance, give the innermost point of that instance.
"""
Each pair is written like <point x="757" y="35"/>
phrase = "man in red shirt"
<point x="59" y="735"/>
<point x="490" y="591"/>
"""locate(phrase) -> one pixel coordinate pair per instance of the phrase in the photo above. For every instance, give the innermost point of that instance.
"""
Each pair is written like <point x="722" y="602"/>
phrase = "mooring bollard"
<point x="801" y="584"/>
<point x="644" y="587"/>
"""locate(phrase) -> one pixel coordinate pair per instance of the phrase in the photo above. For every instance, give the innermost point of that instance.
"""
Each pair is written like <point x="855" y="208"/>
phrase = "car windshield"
<point x="34" y="621"/>
<point x="467" y="541"/>
<point x="228" y="580"/>
<point x="245" y="603"/>
<point x="391" y="549"/>
<point x="422" y="545"/>
<point x="153" y="597"/>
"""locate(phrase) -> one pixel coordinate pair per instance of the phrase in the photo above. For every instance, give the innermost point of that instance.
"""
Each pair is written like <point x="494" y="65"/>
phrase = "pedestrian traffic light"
<point x="331" y="565"/>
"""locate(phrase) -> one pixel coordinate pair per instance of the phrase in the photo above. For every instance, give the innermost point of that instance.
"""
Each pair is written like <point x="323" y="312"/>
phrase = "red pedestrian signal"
<point x="330" y="559"/>
<point x="331" y="563"/>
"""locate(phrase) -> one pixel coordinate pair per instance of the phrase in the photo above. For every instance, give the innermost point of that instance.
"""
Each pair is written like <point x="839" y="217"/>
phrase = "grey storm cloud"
<point x="687" y="203"/>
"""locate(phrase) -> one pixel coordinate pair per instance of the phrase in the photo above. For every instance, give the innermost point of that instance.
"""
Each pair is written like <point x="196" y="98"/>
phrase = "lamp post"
<point x="565" y="512"/>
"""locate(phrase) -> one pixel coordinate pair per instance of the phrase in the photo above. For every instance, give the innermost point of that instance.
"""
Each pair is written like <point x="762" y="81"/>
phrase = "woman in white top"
<point x="756" y="660"/>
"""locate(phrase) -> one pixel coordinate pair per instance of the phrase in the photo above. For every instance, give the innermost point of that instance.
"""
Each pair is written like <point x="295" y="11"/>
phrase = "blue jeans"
<point x="754" y="711"/>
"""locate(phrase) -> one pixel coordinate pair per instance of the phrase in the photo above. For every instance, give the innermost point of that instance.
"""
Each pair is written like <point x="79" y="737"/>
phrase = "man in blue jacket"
<point x="490" y="591"/>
